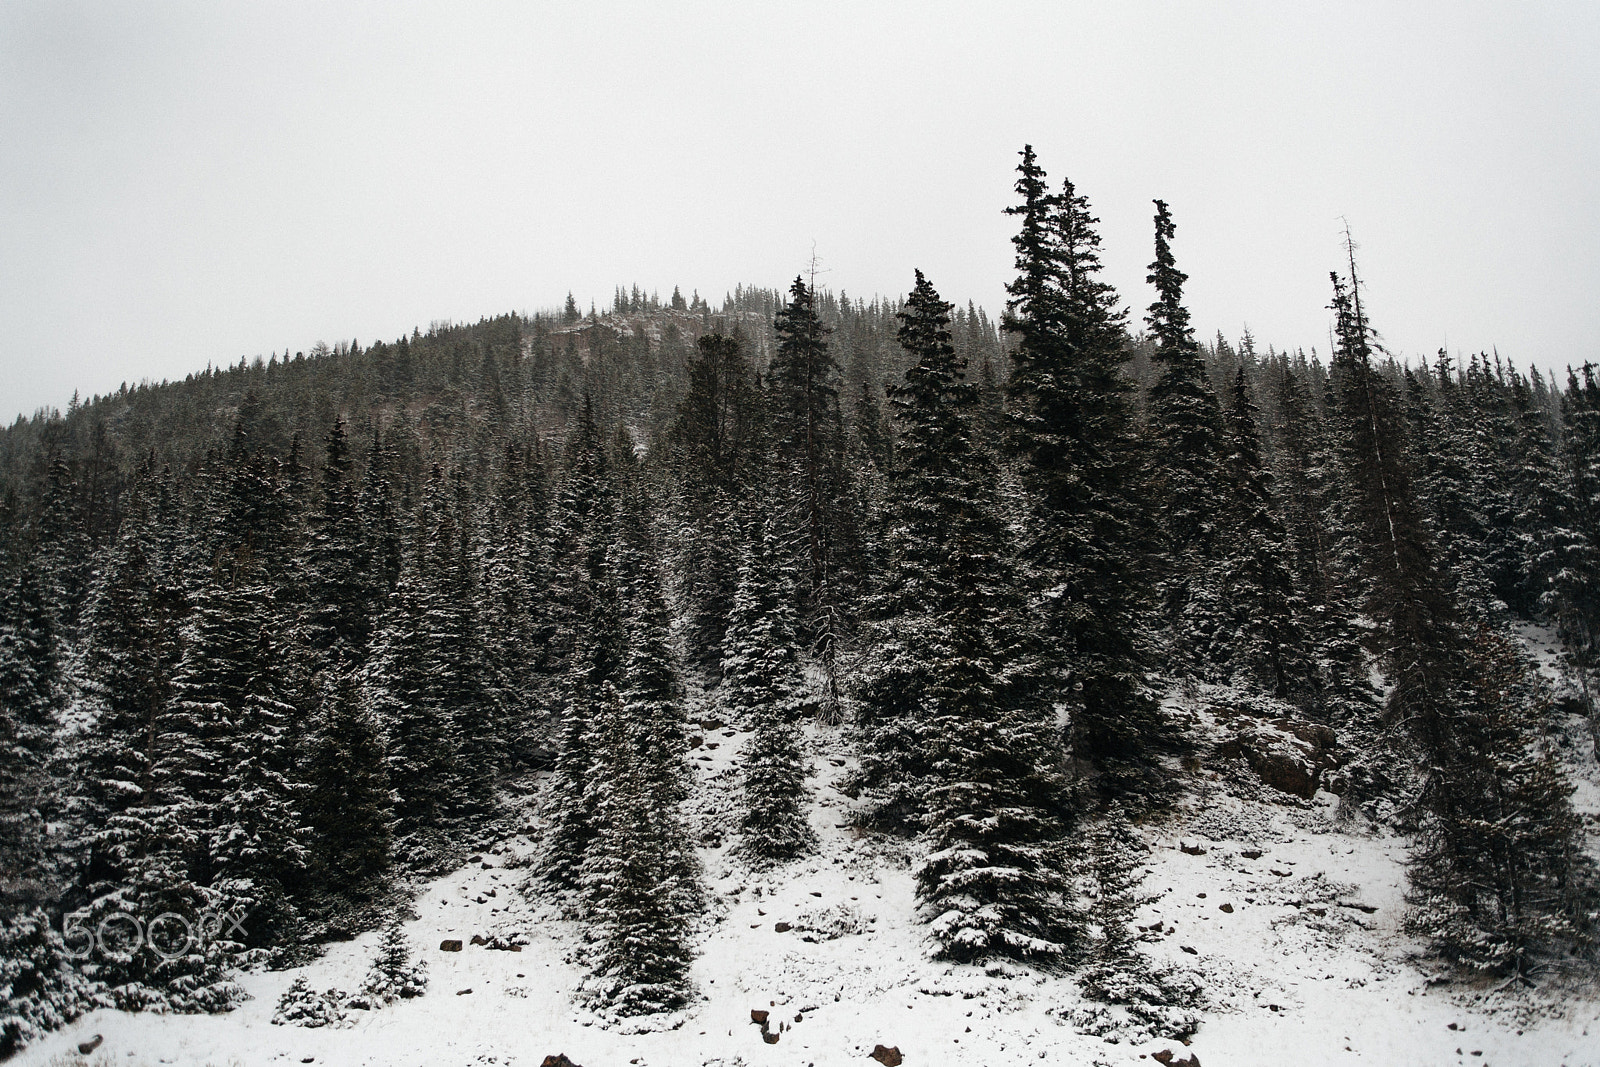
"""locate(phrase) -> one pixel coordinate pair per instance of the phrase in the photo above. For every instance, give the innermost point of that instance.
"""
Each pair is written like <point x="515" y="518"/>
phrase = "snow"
<point x="1310" y="967"/>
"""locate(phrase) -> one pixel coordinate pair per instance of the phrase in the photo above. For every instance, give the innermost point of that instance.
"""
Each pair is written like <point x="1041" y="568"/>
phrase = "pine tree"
<point x="1268" y="612"/>
<point x="1495" y="880"/>
<point x="1187" y="445"/>
<point x="957" y="736"/>
<point x="429" y="684"/>
<point x="762" y="691"/>
<point x="224" y="780"/>
<point x="349" y="803"/>
<point x="630" y="874"/>
<point x="807" y="430"/>
<point x="1069" y="426"/>
<point x="1117" y="970"/>
<point x="394" y="975"/>
<point x="338" y="572"/>
<point x="1500" y="880"/>
<point x="44" y="989"/>
<point x="590" y="614"/>
<point x="32" y="691"/>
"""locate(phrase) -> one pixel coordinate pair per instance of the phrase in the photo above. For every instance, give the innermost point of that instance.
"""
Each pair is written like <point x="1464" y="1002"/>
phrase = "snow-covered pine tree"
<point x="974" y="731"/>
<point x="762" y="691"/>
<point x="349" y="803"/>
<point x="225" y="780"/>
<point x="394" y="975"/>
<point x="807" y="430"/>
<point x="32" y="688"/>
<point x="1269" y="642"/>
<point x="1069" y="425"/>
<point x="1494" y="878"/>
<point x="1499" y="879"/>
<point x="1117" y="971"/>
<point x="1186" y="449"/>
<point x="338" y="568"/>
<point x="429" y="686"/>
<point x="590" y="620"/>
<point x="715" y="437"/>
<point x="652" y="696"/>
<point x="43" y="988"/>
<point x="641" y="957"/>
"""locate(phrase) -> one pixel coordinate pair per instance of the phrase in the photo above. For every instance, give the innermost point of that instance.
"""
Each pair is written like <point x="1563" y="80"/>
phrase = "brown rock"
<point x="759" y="1016"/>
<point x="769" y="1036"/>
<point x="1227" y="908"/>
<point x="559" y="1060"/>
<point x="782" y="928"/>
<point x="1191" y="850"/>
<point x="1251" y="853"/>
<point x="888" y="1055"/>
<point x="479" y="939"/>
<point x="1165" y="1057"/>
<point x="450" y="945"/>
<point x="86" y="1047"/>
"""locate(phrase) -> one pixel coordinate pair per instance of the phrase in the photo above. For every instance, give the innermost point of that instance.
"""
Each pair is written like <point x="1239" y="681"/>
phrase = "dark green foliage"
<point x="808" y="436"/>
<point x="762" y="691"/>
<point x="633" y="872"/>
<point x="1267" y="613"/>
<point x="394" y="975"/>
<point x="1069" y="426"/>
<point x="349" y="802"/>
<point x="1497" y="881"/>
<point x="957" y="738"/>
<point x="1500" y="880"/>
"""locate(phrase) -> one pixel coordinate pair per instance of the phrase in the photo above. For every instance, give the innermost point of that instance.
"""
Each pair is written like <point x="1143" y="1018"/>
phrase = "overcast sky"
<point x="191" y="183"/>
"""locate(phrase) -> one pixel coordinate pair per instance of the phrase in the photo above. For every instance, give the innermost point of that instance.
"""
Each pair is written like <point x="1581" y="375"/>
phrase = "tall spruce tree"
<point x="633" y="871"/>
<point x="958" y="737"/>
<point x="1187" y="447"/>
<point x="762" y="691"/>
<point x="1069" y="426"/>
<point x="1267" y="613"/>
<point x="808" y="433"/>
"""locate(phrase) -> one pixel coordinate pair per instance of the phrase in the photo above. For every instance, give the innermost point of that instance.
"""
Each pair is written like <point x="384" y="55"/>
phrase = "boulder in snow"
<point x="888" y="1055"/>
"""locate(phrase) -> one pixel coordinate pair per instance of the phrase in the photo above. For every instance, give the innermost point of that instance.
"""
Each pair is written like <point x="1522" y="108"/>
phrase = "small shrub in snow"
<point x="301" y="1005"/>
<point x="841" y="920"/>
<point x="394" y="976"/>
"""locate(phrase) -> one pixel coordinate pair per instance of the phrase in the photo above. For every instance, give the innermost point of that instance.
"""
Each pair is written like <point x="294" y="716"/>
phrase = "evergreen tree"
<point x="349" y="803"/>
<point x="807" y="430"/>
<point x="957" y="735"/>
<point x="631" y="874"/>
<point x="762" y="691"/>
<point x="1187" y="445"/>
<point x="394" y="975"/>
<point x="590" y="615"/>
<point x="1069" y="426"/>
<point x="1494" y="880"/>
<point x="1268" y="636"/>
<point x="44" y="989"/>
<point x="337" y="568"/>
<point x="1500" y="880"/>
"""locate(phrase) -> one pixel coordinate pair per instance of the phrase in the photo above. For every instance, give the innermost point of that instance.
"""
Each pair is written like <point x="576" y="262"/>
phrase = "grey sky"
<point x="184" y="183"/>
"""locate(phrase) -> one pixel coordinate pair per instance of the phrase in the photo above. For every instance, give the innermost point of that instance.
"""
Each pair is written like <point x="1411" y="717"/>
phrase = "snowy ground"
<point x="1291" y="922"/>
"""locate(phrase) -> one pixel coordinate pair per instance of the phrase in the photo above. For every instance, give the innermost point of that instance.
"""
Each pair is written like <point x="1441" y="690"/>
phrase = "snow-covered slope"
<point x="1290" y="921"/>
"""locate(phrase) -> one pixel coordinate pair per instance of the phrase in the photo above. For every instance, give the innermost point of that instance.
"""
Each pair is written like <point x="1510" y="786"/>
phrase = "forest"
<point x="282" y="640"/>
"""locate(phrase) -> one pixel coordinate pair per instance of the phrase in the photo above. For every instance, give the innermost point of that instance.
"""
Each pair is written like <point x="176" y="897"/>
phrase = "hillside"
<point x="1112" y="684"/>
<point x="1291" y="913"/>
